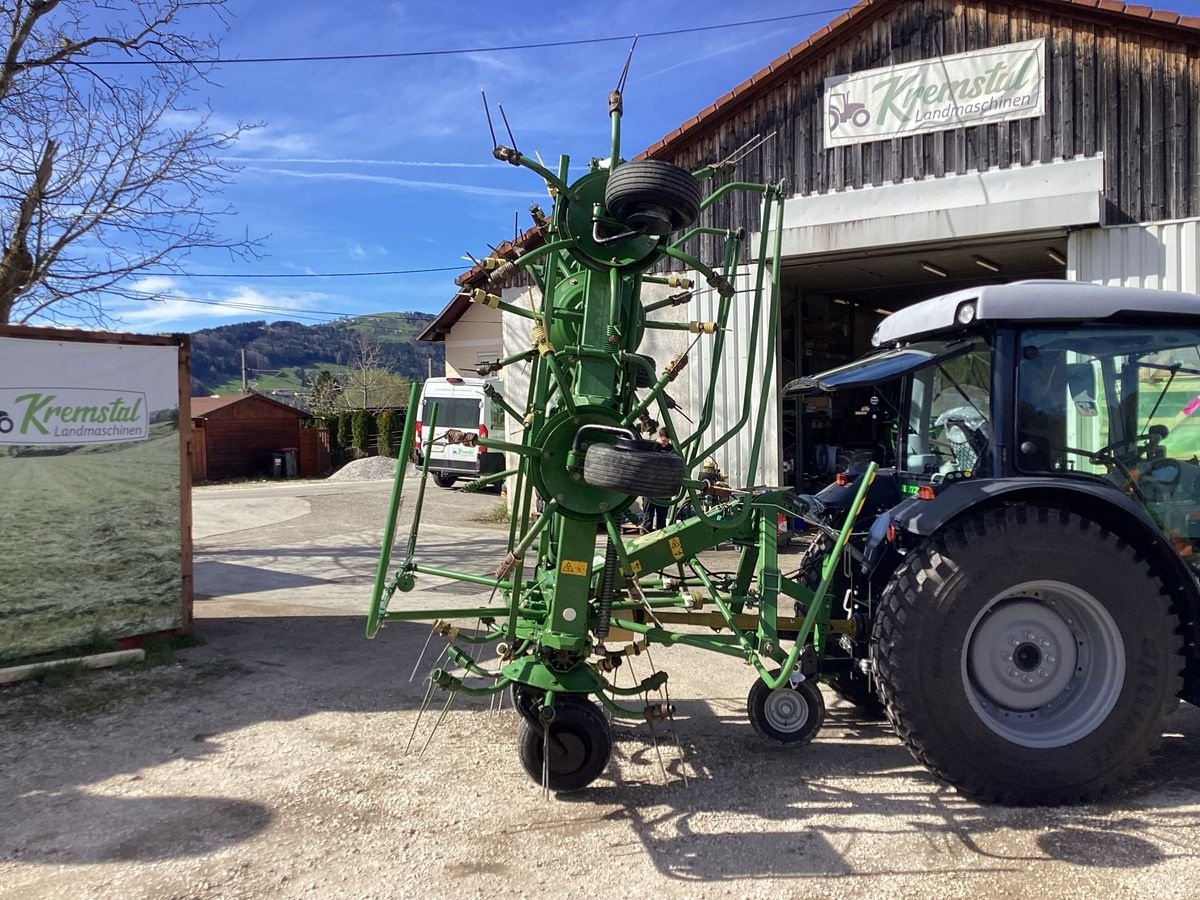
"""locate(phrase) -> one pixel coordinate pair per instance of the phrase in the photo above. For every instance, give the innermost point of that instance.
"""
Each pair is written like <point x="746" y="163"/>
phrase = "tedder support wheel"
<point x="645" y="473"/>
<point x="579" y="744"/>
<point x="444" y="480"/>
<point x="653" y="196"/>
<point x="787" y="715"/>
<point x="527" y="701"/>
<point x="1028" y="656"/>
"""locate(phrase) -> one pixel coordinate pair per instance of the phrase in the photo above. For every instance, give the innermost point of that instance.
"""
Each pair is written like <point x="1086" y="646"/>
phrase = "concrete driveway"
<point x="271" y="762"/>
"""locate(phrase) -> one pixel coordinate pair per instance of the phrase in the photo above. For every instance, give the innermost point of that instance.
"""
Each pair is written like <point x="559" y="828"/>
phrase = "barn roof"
<point x="866" y="11"/>
<point x="205" y="406"/>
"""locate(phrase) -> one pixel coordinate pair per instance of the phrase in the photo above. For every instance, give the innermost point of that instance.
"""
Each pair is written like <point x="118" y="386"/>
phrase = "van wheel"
<point x="1041" y="682"/>
<point x="645" y="473"/>
<point x="444" y="480"/>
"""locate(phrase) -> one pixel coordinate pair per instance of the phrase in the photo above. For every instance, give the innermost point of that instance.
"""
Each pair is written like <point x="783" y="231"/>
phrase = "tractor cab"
<point x="1011" y="385"/>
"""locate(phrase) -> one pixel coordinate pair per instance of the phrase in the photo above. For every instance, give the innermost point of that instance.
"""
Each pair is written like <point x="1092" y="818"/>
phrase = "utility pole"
<point x="245" y="382"/>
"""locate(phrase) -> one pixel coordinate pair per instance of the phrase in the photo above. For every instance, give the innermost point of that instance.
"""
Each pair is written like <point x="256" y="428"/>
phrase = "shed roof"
<point x="206" y="406"/>
<point x="866" y="11"/>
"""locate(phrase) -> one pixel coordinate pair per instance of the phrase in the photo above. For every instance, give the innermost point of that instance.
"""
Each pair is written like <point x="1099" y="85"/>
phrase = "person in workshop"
<point x="655" y="510"/>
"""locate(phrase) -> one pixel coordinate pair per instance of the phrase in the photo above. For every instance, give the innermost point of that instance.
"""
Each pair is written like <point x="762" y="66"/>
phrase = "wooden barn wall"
<point x="1131" y="95"/>
<point x="242" y="438"/>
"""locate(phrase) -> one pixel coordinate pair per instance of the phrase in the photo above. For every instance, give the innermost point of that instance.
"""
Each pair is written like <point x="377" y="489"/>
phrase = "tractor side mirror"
<point x="1081" y="382"/>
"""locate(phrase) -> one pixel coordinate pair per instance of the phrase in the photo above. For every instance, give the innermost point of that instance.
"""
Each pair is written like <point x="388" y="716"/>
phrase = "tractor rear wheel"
<point x="1028" y="656"/>
<point x="576" y="750"/>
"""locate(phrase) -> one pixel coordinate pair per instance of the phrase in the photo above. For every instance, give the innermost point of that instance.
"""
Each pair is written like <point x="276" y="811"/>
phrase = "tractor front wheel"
<point x="1028" y="656"/>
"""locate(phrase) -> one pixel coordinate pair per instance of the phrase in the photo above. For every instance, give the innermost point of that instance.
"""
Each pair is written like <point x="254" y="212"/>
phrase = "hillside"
<point x="287" y="355"/>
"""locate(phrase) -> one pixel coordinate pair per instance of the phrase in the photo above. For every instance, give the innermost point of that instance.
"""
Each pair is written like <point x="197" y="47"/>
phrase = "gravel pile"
<point x="372" y="468"/>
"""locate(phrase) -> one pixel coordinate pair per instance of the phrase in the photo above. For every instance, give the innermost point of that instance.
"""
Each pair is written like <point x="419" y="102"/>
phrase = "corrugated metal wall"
<point x="743" y="361"/>
<point x="1163" y="255"/>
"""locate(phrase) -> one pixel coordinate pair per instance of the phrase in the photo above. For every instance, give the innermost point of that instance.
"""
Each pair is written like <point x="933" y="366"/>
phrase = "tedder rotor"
<point x="574" y="597"/>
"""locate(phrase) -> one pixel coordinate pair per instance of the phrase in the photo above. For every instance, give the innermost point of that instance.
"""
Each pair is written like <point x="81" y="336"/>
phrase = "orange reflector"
<point x="925" y="492"/>
<point x="841" y="480"/>
<point x="891" y="533"/>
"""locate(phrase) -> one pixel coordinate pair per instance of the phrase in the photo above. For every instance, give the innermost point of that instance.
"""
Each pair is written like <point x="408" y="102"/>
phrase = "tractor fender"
<point x="1100" y="502"/>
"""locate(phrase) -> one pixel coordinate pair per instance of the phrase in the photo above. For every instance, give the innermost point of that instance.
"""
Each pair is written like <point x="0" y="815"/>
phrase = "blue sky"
<point x="386" y="164"/>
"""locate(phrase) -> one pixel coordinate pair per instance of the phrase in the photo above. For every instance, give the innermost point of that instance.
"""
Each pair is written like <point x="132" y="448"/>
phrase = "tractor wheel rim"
<point x="785" y="710"/>
<point x="1044" y="664"/>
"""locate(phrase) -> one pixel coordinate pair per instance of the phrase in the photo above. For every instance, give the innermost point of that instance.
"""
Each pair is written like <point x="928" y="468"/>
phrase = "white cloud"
<point x="238" y="302"/>
<point x="450" y="187"/>
<point x="357" y="251"/>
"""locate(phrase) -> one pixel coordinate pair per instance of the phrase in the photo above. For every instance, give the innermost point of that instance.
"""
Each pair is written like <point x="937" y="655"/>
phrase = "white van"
<point x="462" y="405"/>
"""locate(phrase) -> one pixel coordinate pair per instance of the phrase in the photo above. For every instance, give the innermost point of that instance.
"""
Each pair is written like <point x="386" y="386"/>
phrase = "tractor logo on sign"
<point x="842" y="110"/>
<point x="6" y="422"/>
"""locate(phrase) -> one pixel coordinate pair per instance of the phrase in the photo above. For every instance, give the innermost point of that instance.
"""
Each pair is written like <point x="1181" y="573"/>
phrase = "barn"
<point x="239" y="436"/>
<point x="933" y="145"/>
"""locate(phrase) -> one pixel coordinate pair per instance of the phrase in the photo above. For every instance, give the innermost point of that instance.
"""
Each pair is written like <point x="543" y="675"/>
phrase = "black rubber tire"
<point x="643" y="473"/>
<point x="811" y="561"/>
<point x="526" y="701"/>
<point x="580" y="744"/>
<point x="655" y="196"/>
<point x="809" y="718"/>
<point x="858" y="690"/>
<point x="444" y="480"/>
<point x="935" y="604"/>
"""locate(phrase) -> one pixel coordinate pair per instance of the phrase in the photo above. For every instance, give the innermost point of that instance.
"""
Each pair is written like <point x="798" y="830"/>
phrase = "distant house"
<point x="239" y="437"/>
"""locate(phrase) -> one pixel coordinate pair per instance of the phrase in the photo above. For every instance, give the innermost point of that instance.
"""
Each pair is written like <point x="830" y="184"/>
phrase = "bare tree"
<point x="106" y="172"/>
<point x="371" y="383"/>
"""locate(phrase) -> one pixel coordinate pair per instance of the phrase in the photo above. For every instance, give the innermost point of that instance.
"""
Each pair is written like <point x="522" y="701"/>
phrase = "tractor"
<point x="1025" y="585"/>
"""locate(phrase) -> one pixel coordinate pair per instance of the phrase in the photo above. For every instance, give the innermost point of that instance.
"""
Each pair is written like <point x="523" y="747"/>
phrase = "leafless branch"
<point x="104" y="177"/>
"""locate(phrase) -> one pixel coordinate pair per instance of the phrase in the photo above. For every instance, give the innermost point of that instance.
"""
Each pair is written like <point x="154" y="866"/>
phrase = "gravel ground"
<point x="271" y="762"/>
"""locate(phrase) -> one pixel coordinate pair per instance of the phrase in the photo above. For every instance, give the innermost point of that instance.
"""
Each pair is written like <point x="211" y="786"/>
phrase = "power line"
<point x="410" y="54"/>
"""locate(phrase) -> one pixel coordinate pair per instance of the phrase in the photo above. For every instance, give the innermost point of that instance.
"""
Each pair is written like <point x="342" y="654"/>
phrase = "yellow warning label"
<point x="574" y="567"/>
<point x="676" y="547"/>
<point x="635" y="566"/>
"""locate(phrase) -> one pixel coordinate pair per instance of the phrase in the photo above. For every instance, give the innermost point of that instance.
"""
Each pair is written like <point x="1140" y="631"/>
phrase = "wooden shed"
<point x="238" y="437"/>
<point x="927" y="146"/>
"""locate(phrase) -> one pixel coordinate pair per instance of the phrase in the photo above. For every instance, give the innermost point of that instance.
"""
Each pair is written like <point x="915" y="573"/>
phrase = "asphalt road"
<point x="271" y="762"/>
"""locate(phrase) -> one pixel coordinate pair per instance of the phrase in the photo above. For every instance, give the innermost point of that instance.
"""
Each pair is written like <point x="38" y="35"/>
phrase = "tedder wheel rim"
<point x="1044" y="664"/>
<point x="790" y="715"/>
<point x="785" y="710"/>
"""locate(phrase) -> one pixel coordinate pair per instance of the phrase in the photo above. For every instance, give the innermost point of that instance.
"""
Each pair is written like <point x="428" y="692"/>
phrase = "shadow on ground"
<point x="258" y="668"/>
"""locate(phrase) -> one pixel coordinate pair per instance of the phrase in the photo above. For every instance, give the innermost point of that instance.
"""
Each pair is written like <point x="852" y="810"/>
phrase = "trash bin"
<point x="291" y="462"/>
<point x="277" y="465"/>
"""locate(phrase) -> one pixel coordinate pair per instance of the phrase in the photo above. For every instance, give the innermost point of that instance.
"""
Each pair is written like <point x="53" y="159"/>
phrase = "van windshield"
<point x="453" y="412"/>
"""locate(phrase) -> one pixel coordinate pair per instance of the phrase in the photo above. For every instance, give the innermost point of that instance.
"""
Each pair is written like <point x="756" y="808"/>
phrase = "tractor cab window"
<point x="949" y="425"/>
<point x="1120" y="404"/>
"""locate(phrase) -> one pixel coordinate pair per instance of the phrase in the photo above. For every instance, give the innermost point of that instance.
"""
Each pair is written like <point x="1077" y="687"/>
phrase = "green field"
<point x="286" y="379"/>
<point x="91" y="544"/>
